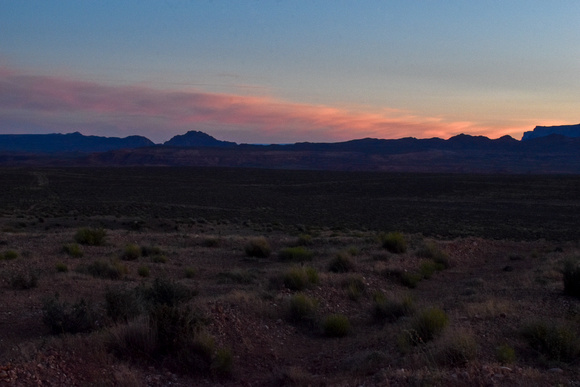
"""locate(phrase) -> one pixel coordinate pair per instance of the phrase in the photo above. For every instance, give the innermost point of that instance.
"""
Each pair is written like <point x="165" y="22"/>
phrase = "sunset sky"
<point x="285" y="71"/>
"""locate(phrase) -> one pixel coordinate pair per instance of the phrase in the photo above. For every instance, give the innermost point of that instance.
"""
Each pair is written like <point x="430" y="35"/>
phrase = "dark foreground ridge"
<point x="552" y="150"/>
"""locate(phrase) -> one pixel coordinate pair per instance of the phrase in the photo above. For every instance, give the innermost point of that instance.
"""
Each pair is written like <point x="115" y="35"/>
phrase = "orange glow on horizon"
<point x="51" y="101"/>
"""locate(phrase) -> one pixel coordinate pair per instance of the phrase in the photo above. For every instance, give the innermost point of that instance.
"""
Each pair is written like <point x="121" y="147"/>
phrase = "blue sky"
<point x="286" y="71"/>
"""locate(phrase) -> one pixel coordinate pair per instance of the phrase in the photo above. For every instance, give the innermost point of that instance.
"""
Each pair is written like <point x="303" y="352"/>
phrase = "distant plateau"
<point x="544" y="150"/>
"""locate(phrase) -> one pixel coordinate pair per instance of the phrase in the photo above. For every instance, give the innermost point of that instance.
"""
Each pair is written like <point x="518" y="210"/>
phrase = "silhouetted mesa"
<point x="562" y="130"/>
<point x="71" y="142"/>
<point x="198" y="139"/>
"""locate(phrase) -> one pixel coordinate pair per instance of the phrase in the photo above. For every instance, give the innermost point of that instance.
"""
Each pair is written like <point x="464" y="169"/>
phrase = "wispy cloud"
<point x="34" y="103"/>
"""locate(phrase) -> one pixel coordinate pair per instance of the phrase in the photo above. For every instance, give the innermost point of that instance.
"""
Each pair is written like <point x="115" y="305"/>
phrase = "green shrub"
<point x="61" y="317"/>
<point x="342" y="263"/>
<point x="457" y="350"/>
<point x="134" y="341"/>
<point x="236" y="276"/>
<point x="222" y="363"/>
<point x="159" y="258"/>
<point x="173" y="326"/>
<point x="151" y="251"/>
<point x="312" y="275"/>
<point x="90" y="236"/>
<point x="410" y="279"/>
<point x="295" y="254"/>
<point x="211" y="242"/>
<point x="304" y="240"/>
<point x="427" y="269"/>
<point x="558" y="343"/>
<point x="505" y="354"/>
<point x="394" y="242"/>
<point x="123" y="304"/>
<point x="194" y="355"/>
<point x="429" y="324"/>
<point x="61" y="267"/>
<point x="9" y="255"/>
<point x="190" y="272"/>
<point x="73" y="249"/>
<point x="299" y="278"/>
<point x="391" y="309"/>
<point x="296" y="279"/>
<point x="258" y="247"/>
<point x="336" y="325"/>
<point x="131" y="252"/>
<point x="355" y="287"/>
<point x="143" y="271"/>
<point x="166" y="292"/>
<point x="301" y="308"/>
<point x="432" y="251"/>
<point x="171" y="336"/>
<point x="24" y="280"/>
<point x="571" y="278"/>
<point x="107" y="270"/>
<point x="353" y="250"/>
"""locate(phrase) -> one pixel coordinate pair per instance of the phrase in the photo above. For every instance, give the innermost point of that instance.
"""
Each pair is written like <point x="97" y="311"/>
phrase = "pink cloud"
<point x="35" y="103"/>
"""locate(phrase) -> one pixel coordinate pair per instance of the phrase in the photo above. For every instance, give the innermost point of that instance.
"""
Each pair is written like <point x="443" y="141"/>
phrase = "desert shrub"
<point x="558" y="343"/>
<point x="295" y="254"/>
<point x="123" y="304"/>
<point x="301" y="308"/>
<point x="428" y="324"/>
<point x="143" y="271"/>
<point x="258" y="247"/>
<point x="166" y="292"/>
<point x="60" y="317"/>
<point x="9" y="255"/>
<point x="312" y="275"/>
<point x="336" y="325"/>
<point x="172" y="336"/>
<point x="304" y="240"/>
<point x="427" y="269"/>
<point x="296" y="279"/>
<point x="342" y="263"/>
<point x="236" y="276"/>
<point x="571" y="277"/>
<point x="61" y="267"/>
<point x="73" y="249"/>
<point x="90" y="236"/>
<point x="222" y="363"/>
<point x="107" y="270"/>
<point x="135" y="340"/>
<point x="457" y="350"/>
<point x="353" y="250"/>
<point x="159" y="258"/>
<point x="194" y="355"/>
<point x="355" y="287"/>
<point x="505" y="354"/>
<point x="299" y="278"/>
<point x="432" y="251"/>
<point x="394" y="242"/>
<point x="151" y="251"/>
<point x="410" y="279"/>
<point x="190" y="272"/>
<point x="173" y="325"/>
<point x="211" y="242"/>
<point x="391" y="309"/>
<point x="24" y="280"/>
<point x="131" y="252"/>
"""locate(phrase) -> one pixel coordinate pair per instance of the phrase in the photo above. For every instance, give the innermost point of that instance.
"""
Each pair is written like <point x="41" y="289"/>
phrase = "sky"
<point x="288" y="71"/>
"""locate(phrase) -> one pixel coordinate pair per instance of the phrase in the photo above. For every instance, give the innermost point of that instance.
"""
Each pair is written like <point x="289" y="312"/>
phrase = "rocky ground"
<point x="490" y="291"/>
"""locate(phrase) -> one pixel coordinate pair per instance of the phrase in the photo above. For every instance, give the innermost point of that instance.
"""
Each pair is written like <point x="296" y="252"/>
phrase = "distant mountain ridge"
<point x="549" y="153"/>
<point x="71" y="142"/>
<point x="543" y="131"/>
